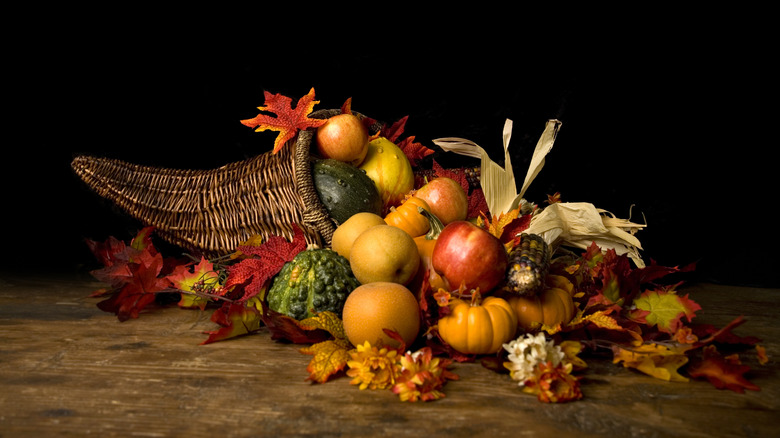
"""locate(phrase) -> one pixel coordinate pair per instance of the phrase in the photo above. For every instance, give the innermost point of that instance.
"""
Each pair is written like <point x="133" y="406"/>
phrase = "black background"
<point x="661" y="124"/>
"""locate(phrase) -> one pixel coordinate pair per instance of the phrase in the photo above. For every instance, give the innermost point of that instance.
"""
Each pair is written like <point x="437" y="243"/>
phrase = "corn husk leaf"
<point x="578" y="224"/>
<point x="498" y="183"/>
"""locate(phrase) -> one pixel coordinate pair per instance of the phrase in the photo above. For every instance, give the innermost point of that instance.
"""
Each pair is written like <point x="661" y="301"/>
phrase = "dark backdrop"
<point x="670" y="133"/>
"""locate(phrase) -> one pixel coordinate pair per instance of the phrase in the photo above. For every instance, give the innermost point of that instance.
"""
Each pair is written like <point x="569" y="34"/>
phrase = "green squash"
<point x="315" y="280"/>
<point x="345" y="190"/>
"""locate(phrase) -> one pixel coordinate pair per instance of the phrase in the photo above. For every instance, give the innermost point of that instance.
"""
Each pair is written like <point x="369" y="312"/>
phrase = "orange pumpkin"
<point x="408" y="218"/>
<point x="480" y="326"/>
<point x="553" y="305"/>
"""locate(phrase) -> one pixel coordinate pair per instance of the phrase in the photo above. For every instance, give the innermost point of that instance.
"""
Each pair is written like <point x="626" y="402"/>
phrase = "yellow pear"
<point x="346" y="233"/>
<point x="384" y="253"/>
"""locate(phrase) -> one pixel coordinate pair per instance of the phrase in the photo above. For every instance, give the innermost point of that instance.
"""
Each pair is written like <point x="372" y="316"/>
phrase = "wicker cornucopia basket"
<point x="210" y="212"/>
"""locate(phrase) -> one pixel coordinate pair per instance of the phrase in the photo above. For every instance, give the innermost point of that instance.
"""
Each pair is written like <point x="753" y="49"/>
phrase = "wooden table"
<point x="69" y="369"/>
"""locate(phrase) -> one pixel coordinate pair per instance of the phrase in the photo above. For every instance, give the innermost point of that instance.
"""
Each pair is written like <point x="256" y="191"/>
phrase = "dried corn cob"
<point x="529" y="261"/>
<point x="472" y="175"/>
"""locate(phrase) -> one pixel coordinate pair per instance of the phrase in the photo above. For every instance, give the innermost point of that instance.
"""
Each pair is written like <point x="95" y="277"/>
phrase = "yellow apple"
<point x="343" y="137"/>
<point x="384" y="253"/>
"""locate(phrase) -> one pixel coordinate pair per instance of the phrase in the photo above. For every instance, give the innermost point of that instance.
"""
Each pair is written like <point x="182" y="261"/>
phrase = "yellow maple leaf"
<point x="327" y="321"/>
<point x="495" y="226"/>
<point x="330" y="357"/>
<point x="654" y="360"/>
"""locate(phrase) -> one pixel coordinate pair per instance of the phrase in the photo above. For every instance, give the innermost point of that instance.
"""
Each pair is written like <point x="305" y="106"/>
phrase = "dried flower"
<point x="372" y="367"/>
<point x="526" y="352"/>
<point x="422" y="376"/>
<point x="553" y="383"/>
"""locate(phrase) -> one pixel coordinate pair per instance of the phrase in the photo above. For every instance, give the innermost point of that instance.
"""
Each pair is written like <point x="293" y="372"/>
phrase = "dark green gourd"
<point x="345" y="189"/>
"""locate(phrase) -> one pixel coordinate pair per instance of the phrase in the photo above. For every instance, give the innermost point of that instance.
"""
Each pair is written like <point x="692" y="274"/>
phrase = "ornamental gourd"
<point x="315" y="280"/>
<point x="553" y="305"/>
<point x="479" y="326"/>
<point x="408" y="218"/>
<point x="345" y="190"/>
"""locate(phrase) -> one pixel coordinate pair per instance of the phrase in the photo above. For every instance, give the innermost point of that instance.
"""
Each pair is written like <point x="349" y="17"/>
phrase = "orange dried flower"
<point x="372" y="367"/>
<point x="553" y="383"/>
<point x="422" y="376"/>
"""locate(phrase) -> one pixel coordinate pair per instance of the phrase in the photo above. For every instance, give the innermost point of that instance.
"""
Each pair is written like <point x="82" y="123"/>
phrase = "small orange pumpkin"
<point x="425" y="244"/>
<point x="553" y="305"/>
<point x="408" y="218"/>
<point x="480" y="326"/>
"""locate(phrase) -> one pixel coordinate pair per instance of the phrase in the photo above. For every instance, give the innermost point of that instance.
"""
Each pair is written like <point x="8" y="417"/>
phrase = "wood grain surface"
<point x="69" y="369"/>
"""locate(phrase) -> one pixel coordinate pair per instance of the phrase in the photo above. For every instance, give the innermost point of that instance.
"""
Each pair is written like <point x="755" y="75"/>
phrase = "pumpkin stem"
<point x="436" y="224"/>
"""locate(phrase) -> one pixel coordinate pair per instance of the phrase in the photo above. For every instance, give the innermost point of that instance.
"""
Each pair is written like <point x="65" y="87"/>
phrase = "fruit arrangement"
<point x="425" y="272"/>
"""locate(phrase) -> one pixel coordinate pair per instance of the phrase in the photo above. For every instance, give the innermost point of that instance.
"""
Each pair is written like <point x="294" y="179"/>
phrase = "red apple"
<point x="469" y="255"/>
<point x="343" y="137"/>
<point x="447" y="199"/>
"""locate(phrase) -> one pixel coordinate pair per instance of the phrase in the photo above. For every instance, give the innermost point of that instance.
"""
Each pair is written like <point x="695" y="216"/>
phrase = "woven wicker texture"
<point x="210" y="212"/>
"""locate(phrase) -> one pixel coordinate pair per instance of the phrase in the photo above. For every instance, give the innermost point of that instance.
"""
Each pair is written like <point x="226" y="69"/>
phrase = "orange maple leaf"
<point x="288" y="120"/>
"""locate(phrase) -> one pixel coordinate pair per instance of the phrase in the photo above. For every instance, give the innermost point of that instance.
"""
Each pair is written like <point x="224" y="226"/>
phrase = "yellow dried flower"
<point x="372" y="367"/>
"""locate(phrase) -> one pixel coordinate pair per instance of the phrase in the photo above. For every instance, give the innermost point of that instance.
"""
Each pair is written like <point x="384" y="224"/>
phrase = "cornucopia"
<point x="435" y="266"/>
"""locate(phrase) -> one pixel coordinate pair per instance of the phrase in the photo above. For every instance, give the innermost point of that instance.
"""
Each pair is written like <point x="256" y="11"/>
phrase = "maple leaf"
<point x="192" y="281"/>
<point x="288" y="120"/>
<point x="283" y="327"/>
<point x="708" y="334"/>
<point x="654" y="360"/>
<point x="722" y="372"/>
<point x="665" y="309"/>
<point x="330" y="357"/>
<point x="236" y="319"/>
<point x="506" y="226"/>
<point x="414" y="151"/>
<point x="478" y="204"/>
<point x="251" y="274"/>
<point x="394" y="131"/>
<point x="141" y="288"/>
<point x="255" y="240"/>
<point x="455" y="174"/>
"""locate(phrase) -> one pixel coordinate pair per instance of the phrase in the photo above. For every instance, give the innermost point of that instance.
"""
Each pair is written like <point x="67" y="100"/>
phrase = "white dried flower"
<point x="526" y="352"/>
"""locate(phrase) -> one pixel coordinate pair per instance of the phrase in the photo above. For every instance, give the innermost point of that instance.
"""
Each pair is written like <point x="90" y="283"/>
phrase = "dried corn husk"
<point x="498" y="183"/>
<point x="578" y="224"/>
<point x="569" y="224"/>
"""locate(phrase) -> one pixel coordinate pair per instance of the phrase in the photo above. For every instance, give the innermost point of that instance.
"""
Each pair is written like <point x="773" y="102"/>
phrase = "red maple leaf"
<point x="141" y="288"/>
<point x="723" y="372"/>
<point x="478" y="204"/>
<point x="394" y="131"/>
<point x="707" y="333"/>
<point x="288" y="120"/>
<point x="263" y="262"/>
<point x="414" y="151"/>
<point x="283" y="327"/>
